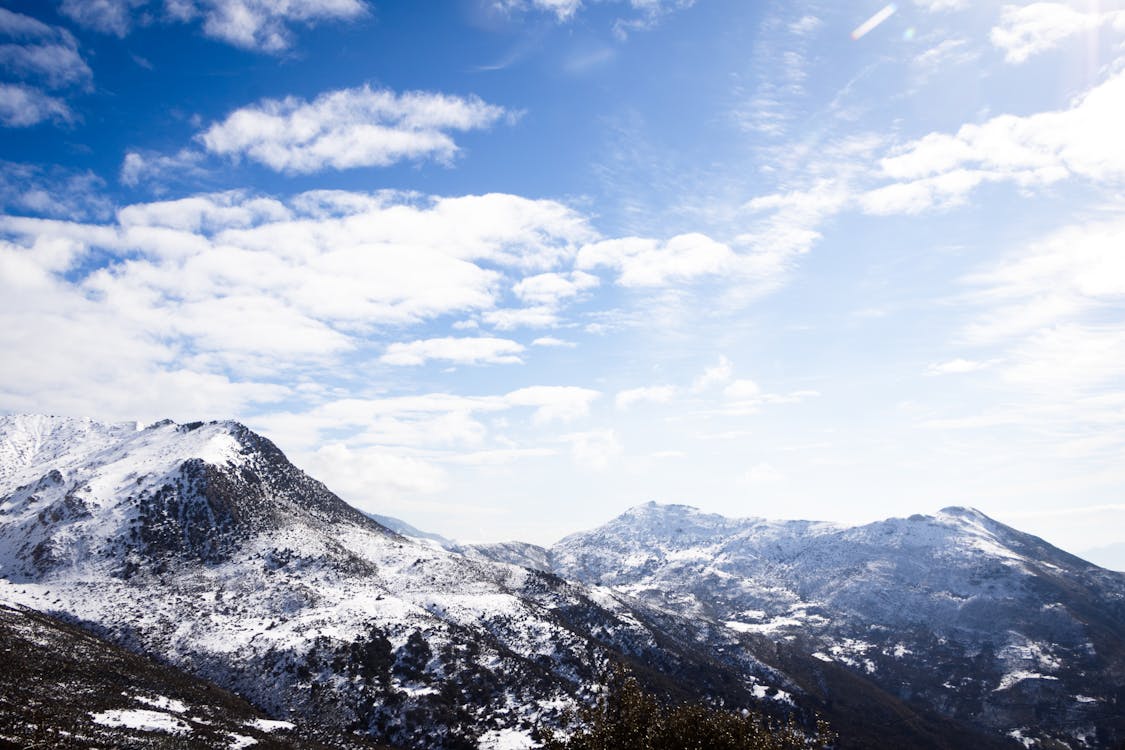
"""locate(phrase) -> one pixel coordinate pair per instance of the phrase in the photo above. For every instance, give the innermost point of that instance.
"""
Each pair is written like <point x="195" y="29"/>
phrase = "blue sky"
<point x="505" y="268"/>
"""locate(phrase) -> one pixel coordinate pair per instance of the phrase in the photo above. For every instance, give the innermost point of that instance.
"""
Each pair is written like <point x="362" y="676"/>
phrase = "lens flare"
<point x="874" y="21"/>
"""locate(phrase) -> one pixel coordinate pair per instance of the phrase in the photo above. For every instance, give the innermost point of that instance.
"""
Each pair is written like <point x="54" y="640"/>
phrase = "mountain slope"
<point x="954" y="612"/>
<point x="61" y="687"/>
<point x="203" y="545"/>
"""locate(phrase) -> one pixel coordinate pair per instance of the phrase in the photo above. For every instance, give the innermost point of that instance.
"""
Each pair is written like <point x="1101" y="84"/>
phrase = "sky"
<point x="506" y="268"/>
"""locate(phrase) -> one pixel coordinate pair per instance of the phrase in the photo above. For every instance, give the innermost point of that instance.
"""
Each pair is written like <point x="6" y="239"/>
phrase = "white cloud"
<point x="805" y="25"/>
<point x="471" y="351"/>
<point x="946" y="54"/>
<point x="942" y="169"/>
<point x="1048" y="312"/>
<point x="788" y="227"/>
<point x="374" y="478"/>
<point x="552" y="288"/>
<point x="23" y="106"/>
<point x="563" y="10"/>
<point x="251" y="24"/>
<point x="40" y="58"/>
<point x="54" y="65"/>
<point x="763" y="473"/>
<point x="935" y="6"/>
<point x="138" y="167"/>
<point x="643" y="262"/>
<point x="510" y="318"/>
<point x="553" y="342"/>
<point x="594" y="450"/>
<point x="19" y="26"/>
<point x="1028" y="30"/>
<point x="107" y="16"/>
<point x="53" y="191"/>
<point x="957" y="366"/>
<point x="656" y="394"/>
<point x="554" y="403"/>
<point x="241" y="292"/>
<point x="742" y="390"/>
<point x="1075" y="271"/>
<point x="714" y="375"/>
<point x="360" y="127"/>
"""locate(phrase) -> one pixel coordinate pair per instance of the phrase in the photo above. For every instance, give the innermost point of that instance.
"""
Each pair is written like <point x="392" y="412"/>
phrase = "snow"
<point x="1012" y="678"/>
<point x="239" y="741"/>
<point x="271" y="725"/>
<point x="159" y="701"/>
<point x="142" y="719"/>
<point x="505" y="739"/>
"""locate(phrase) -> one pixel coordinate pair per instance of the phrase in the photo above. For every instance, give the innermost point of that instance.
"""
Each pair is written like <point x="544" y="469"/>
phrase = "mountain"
<point x="954" y="613"/>
<point x="64" y="688"/>
<point x="203" y="546"/>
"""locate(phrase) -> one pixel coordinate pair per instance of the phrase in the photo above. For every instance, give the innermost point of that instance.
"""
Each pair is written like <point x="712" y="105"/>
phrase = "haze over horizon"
<point x="505" y="268"/>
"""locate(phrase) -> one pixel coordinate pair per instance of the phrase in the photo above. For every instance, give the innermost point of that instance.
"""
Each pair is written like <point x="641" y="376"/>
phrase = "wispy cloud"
<point x="252" y="24"/>
<point x="23" y="106"/>
<point x="1028" y="30"/>
<point x="469" y="351"/>
<point x="36" y="59"/>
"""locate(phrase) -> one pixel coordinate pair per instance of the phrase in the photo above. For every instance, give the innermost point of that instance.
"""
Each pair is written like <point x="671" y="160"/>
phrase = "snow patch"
<point x="270" y="725"/>
<point x="1018" y="676"/>
<point x="505" y="739"/>
<point x="161" y="702"/>
<point x="142" y="719"/>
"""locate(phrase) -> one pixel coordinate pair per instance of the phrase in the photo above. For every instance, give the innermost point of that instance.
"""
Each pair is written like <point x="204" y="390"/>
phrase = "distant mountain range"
<point x="202" y="546"/>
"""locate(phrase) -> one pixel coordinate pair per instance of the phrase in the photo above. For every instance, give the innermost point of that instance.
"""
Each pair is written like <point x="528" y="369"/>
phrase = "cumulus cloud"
<point x="468" y="351"/>
<point x="251" y="289"/>
<point x="552" y="288"/>
<point x="359" y="127"/>
<point x="643" y="262"/>
<point x="657" y="394"/>
<point x="941" y="170"/>
<point x="1028" y="30"/>
<point x="251" y="24"/>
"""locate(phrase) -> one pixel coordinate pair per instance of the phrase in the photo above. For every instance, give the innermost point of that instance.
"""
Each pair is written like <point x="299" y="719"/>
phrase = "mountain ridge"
<point x="254" y="574"/>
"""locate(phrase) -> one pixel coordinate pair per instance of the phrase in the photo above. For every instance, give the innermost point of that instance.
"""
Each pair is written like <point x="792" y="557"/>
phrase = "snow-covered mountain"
<point x="202" y="545"/>
<point x="955" y="612"/>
